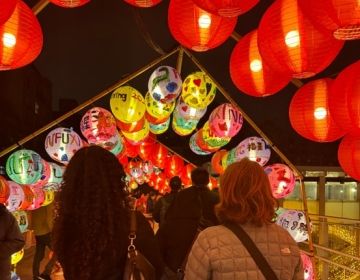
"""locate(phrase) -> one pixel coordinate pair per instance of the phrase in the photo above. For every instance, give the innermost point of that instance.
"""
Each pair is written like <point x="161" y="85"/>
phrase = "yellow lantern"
<point x="138" y="136"/>
<point x="158" y="109"/>
<point x="127" y="104"/>
<point x="16" y="257"/>
<point x="49" y="196"/>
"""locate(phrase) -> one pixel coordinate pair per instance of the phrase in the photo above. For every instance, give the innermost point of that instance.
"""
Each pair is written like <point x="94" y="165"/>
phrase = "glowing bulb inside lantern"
<point x="131" y="111"/>
<point x="252" y="155"/>
<point x="320" y="113"/>
<point x="204" y="21"/>
<point x="282" y="185"/>
<point x="192" y="112"/>
<point x="9" y="40"/>
<point x="292" y="39"/>
<point x="256" y="65"/>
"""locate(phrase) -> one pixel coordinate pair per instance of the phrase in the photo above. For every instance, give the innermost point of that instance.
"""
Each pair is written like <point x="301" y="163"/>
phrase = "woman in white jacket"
<point x="245" y="199"/>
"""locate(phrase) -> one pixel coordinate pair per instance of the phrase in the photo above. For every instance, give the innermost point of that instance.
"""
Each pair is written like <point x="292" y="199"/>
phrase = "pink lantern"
<point x="282" y="179"/>
<point x="307" y="266"/>
<point x="98" y="125"/>
<point x="45" y="175"/>
<point x="16" y="196"/>
<point x="39" y="197"/>
<point x="225" y="120"/>
<point x="62" y="143"/>
<point x="254" y="148"/>
<point x="4" y="190"/>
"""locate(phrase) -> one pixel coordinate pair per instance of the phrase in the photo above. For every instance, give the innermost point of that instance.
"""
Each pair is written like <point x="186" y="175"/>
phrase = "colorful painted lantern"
<point x="310" y="115"/>
<point x="255" y="149"/>
<point x="69" y="3"/>
<point x="16" y="196"/>
<point x="28" y="197"/>
<point x="157" y="109"/>
<point x="24" y="167"/>
<point x="165" y="84"/>
<point x="295" y="223"/>
<point x="282" y="179"/>
<point x="230" y="8"/>
<point x="198" y="90"/>
<point x="62" y="143"/>
<point x="138" y="136"/>
<point x="216" y="162"/>
<point x="349" y="154"/>
<point x="197" y="29"/>
<point x="250" y="73"/>
<point x="16" y="257"/>
<point x="7" y="8"/>
<point x="21" y="38"/>
<point x="49" y="196"/>
<point x="213" y="141"/>
<point x="159" y="128"/>
<point x="39" y="198"/>
<point x="22" y="220"/>
<point x="289" y="42"/>
<point x="182" y="126"/>
<point x="131" y="127"/>
<point x="225" y="120"/>
<point x="195" y="147"/>
<point x="45" y="175"/>
<point x="56" y="176"/>
<point x="187" y="112"/>
<point x="143" y="3"/>
<point x="4" y="190"/>
<point x="127" y="104"/>
<point x="307" y="266"/>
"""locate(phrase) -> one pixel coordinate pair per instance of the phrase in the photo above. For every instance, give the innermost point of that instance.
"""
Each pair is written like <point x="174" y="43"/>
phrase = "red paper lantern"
<point x="174" y="166"/>
<point x="288" y="41"/>
<point x="7" y="8"/>
<point x="186" y="174"/>
<point x="349" y="154"/>
<point x="21" y="38"/>
<point x="4" y="190"/>
<point x="342" y="17"/>
<point x="131" y="150"/>
<point x="228" y="8"/>
<point x="69" y="3"/>
<point x="197" y="29"/>
<point x="143" y="3"/>
<point x="250" y="73"/>
<point x="216" y="161"/>
<point x="159" y="155"/>
<point x="344" y="101"/>
<point x="146" y="147"/>
<point x="310" y="115"/>
<point x="123" y="159"/>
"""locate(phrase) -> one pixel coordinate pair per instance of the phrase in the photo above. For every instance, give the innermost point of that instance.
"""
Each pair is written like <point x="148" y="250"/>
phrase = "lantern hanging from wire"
<point x="186" y="174"/>
<point x="195" y="147"/>
<point x="143" y="3"/>
<point x="4" y="190"/>
<point x="159" y="128"/>
<point x="174" y="166"/>
<point x="225" y="120"/>
<point x="216" y="162"/>
<point x="7" y="8"/>
<point x="196" y="28"/>
<point x="282" y="179"/>
<point x="349" y="154"/>
<point x="342" y="17"/>
<point x="136" y="137"/>
<point x="295" y="223"/>
<point x="157" y="109"/>
<point x="21" y="38"/>
<point x="289" y="42"/>
<point x="250" y="73"/>
<point x="344" y="100"/>
<point x="69" y="3"/>
<point x="187" y="112"/>
<point x="16" y="196"/>
<point x="159" y="155"/>
<point x="56" y="176"/>
<point x="131" y="127"/>
<point x="182" y="126"/>
<point x="310" y="115"/>
<point x="211" y="139"/>
<point x="39" y="198"/>
<point x="227" y="8"/>
<point x="28" y="197"/>
<point x="45" y="175"/>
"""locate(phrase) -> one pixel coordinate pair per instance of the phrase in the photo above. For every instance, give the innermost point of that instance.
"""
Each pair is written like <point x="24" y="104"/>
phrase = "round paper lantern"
<point x="187" y="112"/>
<point x="255" y="149"/>
<point x="143" y="3"/>
<point x="49" y="196"/>
<point x="250" y="73"/>
<point x="157" y="109"/>
<point x="115" y="144"/>
<point x="127" y="104"/>
<point x="28" y="197"/>
<point x="310" y="115"/>
<point x="159" y="155"/>
<point x="174" y="166"/>
<point x="21" y="38"/>
<point x="56" y="176"/>
<point x="4" y="190"/>
<point x="195" y="147"/>
<point x="123" y="159"/>
<point x="15" y="198"/>
<point x="186" y="174"/>
<point x="212" y="140"/>
<point x="45" y="175"/>
<point x="16" y="257"/>
<point x="131" y="127"/>
<point x="344" y="99"/>
<point x="182" y="126"/>
<point x="307" y="266"/>
<point x="197" y="29"/>
<point x="136" y="137"/>
<point x="230" y="8"/>
<point x="198" y="90"/>
<point x="98" y="125"/>
<point x="165" y="84"/>
<point x="39" y="198"/>
<point x="289" y="42"/>
<point x="208" y="144"/>
<point x="282" y="179"/>
<point x="146" y="147"/>
<point x="24" y="167"/>
<point x="349" y="154"/>
<point x="22" y="220"/>
<point x="295" y="223"/>
<point x="341" y="17"/>
<point x="131" y="150"/>
<point x="69" y="3"/>
<point x="62" y="143"/>
<point x="225" y="120"/>
<point x="7" y="8"/>
<point x="159" y="128"/>
<point x="216" y="162"/>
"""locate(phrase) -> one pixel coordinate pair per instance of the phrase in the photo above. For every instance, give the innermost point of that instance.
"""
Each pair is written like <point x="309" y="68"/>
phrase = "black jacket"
<point x="11" y="241"/>
<point x="161" y="207"/>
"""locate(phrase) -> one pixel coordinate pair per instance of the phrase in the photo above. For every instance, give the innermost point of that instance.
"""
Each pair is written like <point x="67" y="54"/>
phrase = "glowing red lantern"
<point x="69" y="3"/>
<point x="131" y="127"/>
<point x="146" y="147"/>
<point x="123" y="159"/>
<point x="213" y="183"/>
<point x="174" y="166"/>
<point x="197" y="29"/>
<point x="216" y="161"/>
<point x="7" y="8"/>
<point x="143" y="3"/>
<point x="28" y="198"/>
<point x="228" y="8"/>
<point x="21" y="38"/>
<point x="186" y="175"/>
<point x="310" y="115"/>
<point x="342" y="17"/>
<point x="159" y="155"/>
<point x="344" y="101"/>
<point x="4" y="190"/>
<point x="288" y="41"/>
<point x="250" y="73"/>
<point x="349" y="154"/>
<point x="131" y="150"/>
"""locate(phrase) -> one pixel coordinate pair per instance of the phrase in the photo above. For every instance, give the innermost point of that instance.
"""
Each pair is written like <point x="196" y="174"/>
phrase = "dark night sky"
<point x="88" y="49"/>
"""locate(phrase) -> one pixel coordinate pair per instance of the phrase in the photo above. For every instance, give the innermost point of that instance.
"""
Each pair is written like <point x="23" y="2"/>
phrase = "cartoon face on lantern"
<point x="307" y="266"/>
<point x="98" y="125"/>
<point x="255" y="149"/>
<point x="127" y="104"/>
<point x="295" y="223"/>
<point x="198" y="91"/>
<point x="24" y="167"/>
<point x="16" y="196"/>
<point x="4" y="190"/>
<point x="22" y="220"/>
<point x="187" y="112"/>
<point x="226" y="120"/>
<point x="62" y="143"/>
<point x="282" y="179"/>
<point x="165" y="84"/>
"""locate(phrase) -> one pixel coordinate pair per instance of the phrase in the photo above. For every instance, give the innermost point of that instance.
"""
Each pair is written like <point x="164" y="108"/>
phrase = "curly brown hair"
<point x="245" y="195"/>
<point x="91" y="227"/>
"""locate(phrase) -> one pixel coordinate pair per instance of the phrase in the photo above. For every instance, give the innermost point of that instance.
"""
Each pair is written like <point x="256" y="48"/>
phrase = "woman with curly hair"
<point x="246" y="201"/>
<point x="92" y="224"/>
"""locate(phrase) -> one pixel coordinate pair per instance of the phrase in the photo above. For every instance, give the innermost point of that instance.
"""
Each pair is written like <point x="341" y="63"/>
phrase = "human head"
<point x="175" y="183"/>
<point x="245" y="194"/>
<point x="200" y="177"/>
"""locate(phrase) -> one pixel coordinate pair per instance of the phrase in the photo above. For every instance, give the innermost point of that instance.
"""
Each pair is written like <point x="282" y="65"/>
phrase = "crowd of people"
<point x="93" y="227"/>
